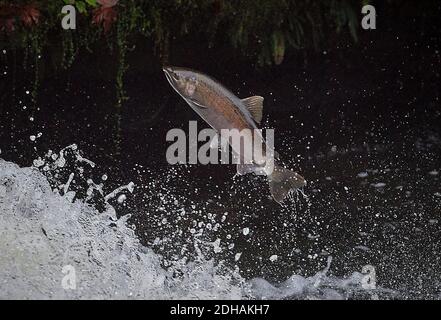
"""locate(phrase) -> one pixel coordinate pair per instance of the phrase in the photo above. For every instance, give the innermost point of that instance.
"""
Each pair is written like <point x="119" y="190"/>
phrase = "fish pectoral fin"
<point x="193" y="103"/>
<point x="254" y="105"/>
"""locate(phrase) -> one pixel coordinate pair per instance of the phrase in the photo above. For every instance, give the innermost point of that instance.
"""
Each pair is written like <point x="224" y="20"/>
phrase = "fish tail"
<point x="283" y="182"/>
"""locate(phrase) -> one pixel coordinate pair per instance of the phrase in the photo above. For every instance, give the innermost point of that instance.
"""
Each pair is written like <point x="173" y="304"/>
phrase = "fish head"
<point x="184" y="81"/>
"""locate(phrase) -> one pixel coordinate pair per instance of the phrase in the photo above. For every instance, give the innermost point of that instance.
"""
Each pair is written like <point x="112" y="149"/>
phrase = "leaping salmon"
<point x="221" y="109"/>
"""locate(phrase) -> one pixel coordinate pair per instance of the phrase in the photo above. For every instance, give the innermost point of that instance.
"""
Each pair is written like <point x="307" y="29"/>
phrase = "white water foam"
<point x="42" y="231"/>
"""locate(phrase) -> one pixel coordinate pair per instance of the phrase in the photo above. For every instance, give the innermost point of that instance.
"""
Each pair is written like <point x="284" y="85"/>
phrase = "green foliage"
<point x="261" y="29"/>
<point x="82" y="6"/>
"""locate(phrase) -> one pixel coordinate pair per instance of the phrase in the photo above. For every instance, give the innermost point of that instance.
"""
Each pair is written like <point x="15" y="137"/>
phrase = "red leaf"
<point x="105" y="16"/>
<point x="29" y="15"/>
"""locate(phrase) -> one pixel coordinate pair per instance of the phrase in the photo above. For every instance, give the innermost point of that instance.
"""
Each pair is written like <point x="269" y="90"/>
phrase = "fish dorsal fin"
<point x="254" y="105"/>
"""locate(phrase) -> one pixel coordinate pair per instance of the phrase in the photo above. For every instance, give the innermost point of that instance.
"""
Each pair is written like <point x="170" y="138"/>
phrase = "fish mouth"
<point x="168" y="74"/>
<point x="167" y="69"/>
<point x="173" y="80"/>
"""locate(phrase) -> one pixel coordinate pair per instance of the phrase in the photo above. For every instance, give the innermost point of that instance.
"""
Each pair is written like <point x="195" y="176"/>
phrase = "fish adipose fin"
<point x="284" y="181"/>
<point x="254" y="105"/>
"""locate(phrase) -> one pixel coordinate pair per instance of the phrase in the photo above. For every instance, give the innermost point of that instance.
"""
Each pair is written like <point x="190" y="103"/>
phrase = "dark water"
<point x="360" y="122"/>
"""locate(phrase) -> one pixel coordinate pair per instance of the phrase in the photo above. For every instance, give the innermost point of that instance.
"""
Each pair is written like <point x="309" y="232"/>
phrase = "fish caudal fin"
<point x="284" y="181"/>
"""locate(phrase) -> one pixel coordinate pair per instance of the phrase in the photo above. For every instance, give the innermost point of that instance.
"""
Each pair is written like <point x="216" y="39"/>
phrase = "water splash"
<point x="44" y="230"/>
